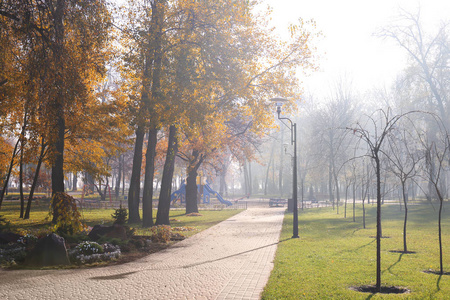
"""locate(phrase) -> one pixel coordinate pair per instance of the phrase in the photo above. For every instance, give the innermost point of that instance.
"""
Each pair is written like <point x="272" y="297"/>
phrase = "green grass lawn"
<point x="333" y="254"/>
<point x="10" y="210"/>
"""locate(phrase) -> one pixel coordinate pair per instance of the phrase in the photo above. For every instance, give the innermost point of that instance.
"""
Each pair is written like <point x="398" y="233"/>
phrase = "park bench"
<point x="276" y="202"/>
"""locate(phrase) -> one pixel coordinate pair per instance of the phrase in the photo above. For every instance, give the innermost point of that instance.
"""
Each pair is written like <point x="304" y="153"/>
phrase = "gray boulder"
<point x="115" y="231"/>
<point x="49" y="251"/>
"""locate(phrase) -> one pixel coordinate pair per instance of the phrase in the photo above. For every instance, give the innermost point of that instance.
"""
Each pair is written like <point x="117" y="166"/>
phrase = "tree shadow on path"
<point x="233" y="255"/>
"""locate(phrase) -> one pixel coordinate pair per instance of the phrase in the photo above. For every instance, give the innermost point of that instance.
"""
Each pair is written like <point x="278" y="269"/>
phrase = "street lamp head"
<point x="279" y="103"/>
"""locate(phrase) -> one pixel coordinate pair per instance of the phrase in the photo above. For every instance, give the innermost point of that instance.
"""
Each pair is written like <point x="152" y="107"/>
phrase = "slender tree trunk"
<point x="147" y="198"/>
<point x="123" y="175"/>
<point x="119" y="178"/>
<point x="368" y="185"/>
<point x="330" y="185"/>
<point x="336" y="183"/>
<point x="22" y="149"/>
<point x="246" y="183"/>
<point x="8" y="175"/>
<point x="354" y="200"/>
<point x="162" y="217"/>
<point x="441" y="205"/>
<point x="405" y="248"/>
<point x="135" y="180"/>
<point x="379" y="233"/>
<point x="35" y="179"/>
<point x="363" y="195"/>
<point x="268" y="168"/>
<point x="273" y="175"/>
<point x="22" y="199"/>
<point x="346" y="198"/>
<point x="250" y="179"/>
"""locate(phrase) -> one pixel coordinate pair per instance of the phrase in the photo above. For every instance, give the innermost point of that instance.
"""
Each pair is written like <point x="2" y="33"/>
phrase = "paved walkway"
<point x="231" y="260"/>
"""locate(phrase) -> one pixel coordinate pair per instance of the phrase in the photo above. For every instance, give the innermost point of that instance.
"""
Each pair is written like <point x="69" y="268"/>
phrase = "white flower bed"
<point x="76" y="255"/>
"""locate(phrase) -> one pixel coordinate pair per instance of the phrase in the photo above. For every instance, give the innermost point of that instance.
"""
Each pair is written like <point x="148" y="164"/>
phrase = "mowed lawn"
<point x="333" y="254"/>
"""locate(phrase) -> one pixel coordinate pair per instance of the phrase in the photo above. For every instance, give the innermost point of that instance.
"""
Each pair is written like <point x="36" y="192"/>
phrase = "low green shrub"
<point x="114" y="241"/>
<point x="89" y="247"/>
<point x="120" y="216"/>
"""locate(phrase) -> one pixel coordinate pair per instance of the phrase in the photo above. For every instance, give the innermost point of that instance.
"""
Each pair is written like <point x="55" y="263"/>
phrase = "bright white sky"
<point x="351" y="50"/>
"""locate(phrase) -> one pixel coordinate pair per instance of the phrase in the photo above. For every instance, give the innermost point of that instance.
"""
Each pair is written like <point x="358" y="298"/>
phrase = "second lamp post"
<point x="293" y="127"/>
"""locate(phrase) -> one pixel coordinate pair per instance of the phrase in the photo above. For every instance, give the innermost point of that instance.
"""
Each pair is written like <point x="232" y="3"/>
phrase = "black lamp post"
<point x="293" y="127"/>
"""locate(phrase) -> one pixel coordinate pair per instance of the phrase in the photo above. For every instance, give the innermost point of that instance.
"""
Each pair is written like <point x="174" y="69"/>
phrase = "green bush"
<point x="120" y="216"/>
<point x="89" y="248"/>
<point x="115" y="241"/>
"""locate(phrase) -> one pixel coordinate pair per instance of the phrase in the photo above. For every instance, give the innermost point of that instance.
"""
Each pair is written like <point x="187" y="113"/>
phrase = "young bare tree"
<point x="403" y="159"/>
<point x="436" y="150"/>
<point x="374" y="132"/>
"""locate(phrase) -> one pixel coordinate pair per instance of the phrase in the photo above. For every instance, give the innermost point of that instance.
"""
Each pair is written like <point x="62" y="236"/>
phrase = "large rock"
<point x="9" y="237"/>
<point x="115" y="231"/>
<point x="49" y="251"/>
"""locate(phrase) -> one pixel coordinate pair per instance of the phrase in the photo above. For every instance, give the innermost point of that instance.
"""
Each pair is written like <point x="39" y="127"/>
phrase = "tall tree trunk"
<point x="158" y="10"/>
<point x="22" y="149"/>
<point x="35" y="179"/>
<point x="58" y="105"/>
<point x="162" y="217"/>
<point x="135" y="180"/>
<point x="74" y="181"/>
<point x="191" y="182"/>
<point x="191" y="190"/>
<point x="147" y="197"/>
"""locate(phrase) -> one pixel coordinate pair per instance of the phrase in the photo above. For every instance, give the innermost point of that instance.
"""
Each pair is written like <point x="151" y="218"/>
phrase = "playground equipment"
<point x="180" y="194"/>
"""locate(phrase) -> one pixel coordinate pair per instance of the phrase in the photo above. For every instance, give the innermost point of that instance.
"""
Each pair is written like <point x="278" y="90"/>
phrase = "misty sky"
<point x="350" y="47"/>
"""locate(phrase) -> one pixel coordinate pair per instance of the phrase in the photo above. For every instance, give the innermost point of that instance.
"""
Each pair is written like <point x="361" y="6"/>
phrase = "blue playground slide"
<point x="216" y="194"/>
<point x="180" y="194"/>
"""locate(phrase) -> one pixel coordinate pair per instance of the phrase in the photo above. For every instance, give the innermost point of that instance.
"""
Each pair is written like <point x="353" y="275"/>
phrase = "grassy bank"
<point x="334" y="254"/>
<point x="10" y="210"/>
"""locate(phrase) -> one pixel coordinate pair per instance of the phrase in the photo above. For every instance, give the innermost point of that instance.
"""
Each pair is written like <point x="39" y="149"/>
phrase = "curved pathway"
<point x="231" y="260"/>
